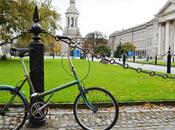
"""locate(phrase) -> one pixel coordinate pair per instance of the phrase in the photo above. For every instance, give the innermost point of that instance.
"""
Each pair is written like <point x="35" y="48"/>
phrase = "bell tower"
<point x="71" y="29"/>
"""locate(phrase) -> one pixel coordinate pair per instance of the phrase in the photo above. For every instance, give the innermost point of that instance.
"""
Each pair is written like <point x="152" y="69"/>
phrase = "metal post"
<point x="37" y="66"/>
<point x="124" y="58"/>
<point x="120" y="43"/>
<point x="134" y="57"/>
<point x="169" y="61"/>
<point x="156" y="59"/>
<point x="147" y="59"/>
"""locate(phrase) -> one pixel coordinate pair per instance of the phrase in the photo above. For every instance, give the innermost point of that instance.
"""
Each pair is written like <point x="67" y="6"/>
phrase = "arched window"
<point x="68" y="22"/>
<point x="76" y="22"/>
<point x="72" y="22"/>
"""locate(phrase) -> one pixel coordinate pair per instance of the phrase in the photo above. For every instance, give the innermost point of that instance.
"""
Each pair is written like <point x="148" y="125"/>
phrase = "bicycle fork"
<point x="82" y="92"/>
<point x="87" y="103"/>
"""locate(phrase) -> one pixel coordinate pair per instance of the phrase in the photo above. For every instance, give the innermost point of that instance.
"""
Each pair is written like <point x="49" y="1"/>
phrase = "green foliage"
<point x="103" y="50"/>
<point x="123" y="49"/>
<point x="16" y="16"/>
<point x="3" y="57"/>
<point x="128" y="47"/>
<point x="118" y="51"/>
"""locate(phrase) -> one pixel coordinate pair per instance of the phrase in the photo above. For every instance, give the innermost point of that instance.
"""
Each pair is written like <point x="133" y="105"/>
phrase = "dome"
<point x="72" y="10"/>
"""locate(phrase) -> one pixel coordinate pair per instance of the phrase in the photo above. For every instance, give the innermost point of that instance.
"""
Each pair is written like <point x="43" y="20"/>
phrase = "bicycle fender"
<point x="20" y="93"/>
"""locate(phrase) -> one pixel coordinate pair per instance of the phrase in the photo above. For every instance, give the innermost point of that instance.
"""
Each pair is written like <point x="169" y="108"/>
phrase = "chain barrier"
<point x="10" y="40"/>
<point x="113" y="61"/>
<point x="157" y="58"/>
<point x="74" y="44"/>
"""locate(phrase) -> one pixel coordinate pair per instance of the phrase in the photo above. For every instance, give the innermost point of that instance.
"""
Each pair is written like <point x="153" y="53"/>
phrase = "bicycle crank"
<point x="39" y="110"/>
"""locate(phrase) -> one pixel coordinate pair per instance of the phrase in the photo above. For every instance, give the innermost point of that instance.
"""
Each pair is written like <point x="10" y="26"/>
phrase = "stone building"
<point x="150" y="38"/>
<point x="71" y="30"/>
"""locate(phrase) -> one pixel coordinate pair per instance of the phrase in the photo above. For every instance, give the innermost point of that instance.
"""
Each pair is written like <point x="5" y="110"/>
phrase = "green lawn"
<point x="152" y="62"/>
<point x="126" y="85"/>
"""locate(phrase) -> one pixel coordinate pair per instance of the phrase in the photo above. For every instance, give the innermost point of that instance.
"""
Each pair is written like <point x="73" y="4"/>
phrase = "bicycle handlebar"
<point x="63" y="38"/>
<point x="21" y="51"/>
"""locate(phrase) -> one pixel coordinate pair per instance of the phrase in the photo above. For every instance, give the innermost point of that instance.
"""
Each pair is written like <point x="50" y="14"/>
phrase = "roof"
<point x="72" y="9"/>
<point x="168" y="3"/>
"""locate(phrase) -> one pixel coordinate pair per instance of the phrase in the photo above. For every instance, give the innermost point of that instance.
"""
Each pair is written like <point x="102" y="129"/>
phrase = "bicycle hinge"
<point x="34" y="95"/>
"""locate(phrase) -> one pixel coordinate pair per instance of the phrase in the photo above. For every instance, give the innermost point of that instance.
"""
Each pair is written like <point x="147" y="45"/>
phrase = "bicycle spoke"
<point x="13" y="112"/>
<point x="106" y="116"/>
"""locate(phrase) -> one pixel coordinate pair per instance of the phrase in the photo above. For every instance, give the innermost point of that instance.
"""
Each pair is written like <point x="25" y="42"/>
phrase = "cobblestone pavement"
<point x="147" y="117"/>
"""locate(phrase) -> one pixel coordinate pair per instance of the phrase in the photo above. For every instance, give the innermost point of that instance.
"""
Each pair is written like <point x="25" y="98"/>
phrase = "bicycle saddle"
<point x="20" y="51"/>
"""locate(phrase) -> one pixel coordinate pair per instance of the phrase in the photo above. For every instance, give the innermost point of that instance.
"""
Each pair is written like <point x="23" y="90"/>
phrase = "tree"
<point x="102" y="49"/>
<point x="54" y="47"/>
<point x="128" y="47"/>
<point x="125" y="48"/>
<point x="94" y="39"/>
<point x="118" y="51"/>
<point x="16" y="17"/>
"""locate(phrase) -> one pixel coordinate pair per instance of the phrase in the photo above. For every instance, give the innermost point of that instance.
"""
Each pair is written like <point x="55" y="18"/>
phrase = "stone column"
<point x="174" y="36"/>
<point x="159" y="39"/>
<point x="167" y="36"/>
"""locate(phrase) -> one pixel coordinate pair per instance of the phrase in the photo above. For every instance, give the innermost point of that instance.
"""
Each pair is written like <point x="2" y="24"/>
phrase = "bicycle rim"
<point x="13" y="113"/>
<point x="106" y="116"/>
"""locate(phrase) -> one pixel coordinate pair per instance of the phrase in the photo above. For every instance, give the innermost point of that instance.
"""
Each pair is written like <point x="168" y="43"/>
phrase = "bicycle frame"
<point x="52" y="91"/>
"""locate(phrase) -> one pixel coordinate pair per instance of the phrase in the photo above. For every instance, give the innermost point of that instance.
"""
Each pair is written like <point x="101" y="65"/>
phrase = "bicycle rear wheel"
<point x="13" y="109"/>
<point x="107" y="110"/>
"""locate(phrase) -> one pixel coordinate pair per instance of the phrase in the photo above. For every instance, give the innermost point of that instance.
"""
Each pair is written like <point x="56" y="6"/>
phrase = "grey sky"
<point x="108" y="16"/>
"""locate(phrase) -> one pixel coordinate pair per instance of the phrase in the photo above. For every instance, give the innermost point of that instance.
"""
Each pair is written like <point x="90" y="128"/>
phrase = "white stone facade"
<point x="151" y="38"/>
<point x="71" y="30"/>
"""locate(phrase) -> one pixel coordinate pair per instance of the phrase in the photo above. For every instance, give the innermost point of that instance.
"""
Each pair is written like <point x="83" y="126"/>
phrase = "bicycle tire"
<point x="104" y="109"/>
<point x="15" y="115"/>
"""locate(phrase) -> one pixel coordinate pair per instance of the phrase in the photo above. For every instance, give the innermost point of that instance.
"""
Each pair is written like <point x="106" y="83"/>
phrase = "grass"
<point x="125" y="85"/>
<point x="152" y="62"/>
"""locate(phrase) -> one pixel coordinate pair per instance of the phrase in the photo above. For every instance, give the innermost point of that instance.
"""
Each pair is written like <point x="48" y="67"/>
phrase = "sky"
<point x="108" y="16"/>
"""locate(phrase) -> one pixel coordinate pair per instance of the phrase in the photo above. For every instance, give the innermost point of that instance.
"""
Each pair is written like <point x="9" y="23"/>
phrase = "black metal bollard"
<point x="124" y="58"/>
<point x="147" y="58"/>
<point x="134" y="57"/>
<point x="156" y="59"/>
<point x="169" y="61"/>
<point x="36" y="66"/>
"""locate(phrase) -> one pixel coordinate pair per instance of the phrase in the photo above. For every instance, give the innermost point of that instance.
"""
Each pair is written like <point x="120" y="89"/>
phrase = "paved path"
<point x="156" y="68"/>
<point x="130" y="118"/>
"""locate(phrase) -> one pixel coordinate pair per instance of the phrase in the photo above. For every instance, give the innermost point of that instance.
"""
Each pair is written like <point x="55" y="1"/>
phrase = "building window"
<point x="76" y="22"/>
<point x="72" y="22"/>
<point x="68" y="22"/>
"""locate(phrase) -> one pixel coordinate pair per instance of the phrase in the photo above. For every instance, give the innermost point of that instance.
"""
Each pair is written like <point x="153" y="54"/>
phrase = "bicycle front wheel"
<point x="13" y="109"/>
<point x="107" y="110"/>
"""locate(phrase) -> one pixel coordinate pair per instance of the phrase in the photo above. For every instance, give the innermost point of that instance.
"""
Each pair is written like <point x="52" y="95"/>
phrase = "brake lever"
<point x="74" y="44"/>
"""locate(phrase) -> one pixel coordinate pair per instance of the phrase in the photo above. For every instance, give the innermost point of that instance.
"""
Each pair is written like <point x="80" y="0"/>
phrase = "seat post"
<point x="27" y="75"/>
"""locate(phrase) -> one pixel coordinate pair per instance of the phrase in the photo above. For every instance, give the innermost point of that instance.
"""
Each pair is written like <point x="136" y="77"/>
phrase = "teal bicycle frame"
<point x="64" y="86"/>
